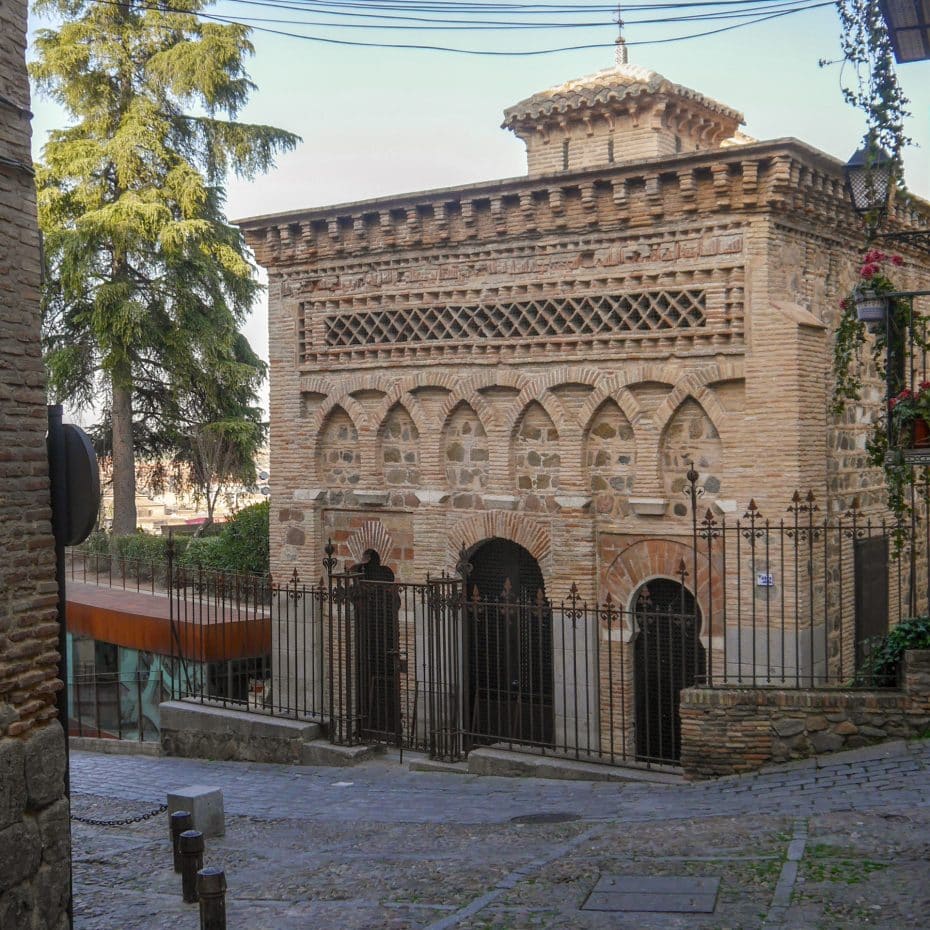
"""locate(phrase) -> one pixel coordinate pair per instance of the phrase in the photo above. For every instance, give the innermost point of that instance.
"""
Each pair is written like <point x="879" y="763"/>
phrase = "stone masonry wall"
<point x="34" y="822"/>
<point x="729" y="730"/>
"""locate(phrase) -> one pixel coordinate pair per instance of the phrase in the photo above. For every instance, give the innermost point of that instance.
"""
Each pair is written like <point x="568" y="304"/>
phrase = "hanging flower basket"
<point x="871" y="307"/>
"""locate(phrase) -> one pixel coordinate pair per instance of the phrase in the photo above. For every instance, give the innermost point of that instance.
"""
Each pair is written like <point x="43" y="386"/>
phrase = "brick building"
<point x="34" y="822"/>
<point x="525" y="368"/>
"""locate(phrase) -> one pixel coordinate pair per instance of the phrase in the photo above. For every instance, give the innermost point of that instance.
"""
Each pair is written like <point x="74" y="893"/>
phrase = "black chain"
<point x="120" y="823"/>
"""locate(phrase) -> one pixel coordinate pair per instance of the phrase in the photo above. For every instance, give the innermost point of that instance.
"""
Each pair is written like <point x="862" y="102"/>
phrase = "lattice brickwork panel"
<point x="540" y="318"/>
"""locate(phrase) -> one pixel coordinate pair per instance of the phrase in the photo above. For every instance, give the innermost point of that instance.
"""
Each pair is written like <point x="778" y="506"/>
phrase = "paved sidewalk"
<point x="843" y="845"/>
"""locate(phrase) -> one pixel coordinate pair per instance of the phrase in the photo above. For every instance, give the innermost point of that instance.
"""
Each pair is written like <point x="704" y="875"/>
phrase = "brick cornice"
<point x="784" y="176"/>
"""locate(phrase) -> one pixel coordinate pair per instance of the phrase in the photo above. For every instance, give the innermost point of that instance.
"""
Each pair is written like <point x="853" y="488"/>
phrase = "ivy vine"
<point x="873" y="88"/>
<point x="848" y="364"/>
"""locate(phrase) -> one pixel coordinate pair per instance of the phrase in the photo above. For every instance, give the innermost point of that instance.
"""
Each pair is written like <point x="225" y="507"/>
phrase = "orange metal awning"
<point x="136" y="620"/>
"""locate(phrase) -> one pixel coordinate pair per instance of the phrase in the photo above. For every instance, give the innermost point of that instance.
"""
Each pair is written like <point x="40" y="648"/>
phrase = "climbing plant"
<point x="869" y="81"/>
<point x="849" y="363"/>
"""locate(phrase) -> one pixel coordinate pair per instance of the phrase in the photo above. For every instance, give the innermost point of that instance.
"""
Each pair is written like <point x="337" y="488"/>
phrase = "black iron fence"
<point x="441" y="666"/>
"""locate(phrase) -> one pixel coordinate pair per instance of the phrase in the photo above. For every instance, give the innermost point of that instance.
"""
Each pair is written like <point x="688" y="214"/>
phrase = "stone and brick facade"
<point x="540" y="358"/>
<point x="34" y="814"/>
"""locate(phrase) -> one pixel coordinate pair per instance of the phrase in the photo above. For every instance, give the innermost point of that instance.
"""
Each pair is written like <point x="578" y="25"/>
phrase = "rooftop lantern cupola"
<point x="621" y="114"/>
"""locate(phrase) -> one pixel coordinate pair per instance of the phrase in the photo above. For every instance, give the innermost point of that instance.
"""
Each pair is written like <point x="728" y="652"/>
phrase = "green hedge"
<point x="240" y="546"/>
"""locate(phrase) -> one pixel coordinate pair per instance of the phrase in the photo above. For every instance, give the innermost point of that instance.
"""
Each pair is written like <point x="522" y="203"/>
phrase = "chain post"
<point x="179" y="822"/>
<point x="190" y="843"/>
<point x="211" y="889"/>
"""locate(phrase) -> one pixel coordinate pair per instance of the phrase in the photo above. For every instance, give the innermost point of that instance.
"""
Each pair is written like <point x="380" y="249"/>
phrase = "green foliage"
<point x="143" y="547"/>
<point x="241" y="545"/>
<point x="869" y="58"/>
<point x="886" y="652"/>
<point x="849" y="340"/>
<point x="147" y="284"/>
<point x="97" y="544"/>
<point x="203" y="552"/>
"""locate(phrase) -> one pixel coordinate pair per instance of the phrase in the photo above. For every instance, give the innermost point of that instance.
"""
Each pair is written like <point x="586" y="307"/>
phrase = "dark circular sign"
<point x="83" y="483"/>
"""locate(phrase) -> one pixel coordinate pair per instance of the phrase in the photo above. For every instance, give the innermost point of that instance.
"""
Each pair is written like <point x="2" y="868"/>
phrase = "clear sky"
<point x="378" y="121"/>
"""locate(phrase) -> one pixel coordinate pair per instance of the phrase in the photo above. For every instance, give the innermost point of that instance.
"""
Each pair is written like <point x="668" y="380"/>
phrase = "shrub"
<point x="98" y="543"/>
<point x="241" y="545"/>
<point x="201" y="552"/>
<point x="886" y="652"/>
<point x="140" y="547"/>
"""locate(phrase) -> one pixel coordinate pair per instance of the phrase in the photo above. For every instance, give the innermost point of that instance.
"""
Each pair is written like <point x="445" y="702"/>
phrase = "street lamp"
<point x="869" y="177"/>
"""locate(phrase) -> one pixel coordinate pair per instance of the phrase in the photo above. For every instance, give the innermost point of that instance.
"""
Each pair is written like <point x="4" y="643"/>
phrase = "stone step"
<point x="206" y="731"/>
<point x="501" y="762"/>
<point x="321" y="752"/>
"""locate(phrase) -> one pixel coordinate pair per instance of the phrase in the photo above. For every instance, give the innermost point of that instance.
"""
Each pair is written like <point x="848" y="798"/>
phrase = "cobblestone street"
<point x="842" y="845"/>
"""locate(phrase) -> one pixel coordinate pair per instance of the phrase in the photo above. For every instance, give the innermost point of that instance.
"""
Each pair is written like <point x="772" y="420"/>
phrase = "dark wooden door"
<point x="870" y="556"/>
<point x="377" y="656"/>
<point x="668" y="656"/>
<point x="509" y="633"/>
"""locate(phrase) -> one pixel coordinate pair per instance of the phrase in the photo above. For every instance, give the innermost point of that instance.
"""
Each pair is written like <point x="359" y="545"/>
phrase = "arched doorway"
<point x="376" y="612"/>
<point x="667" y="656"/>
<point x="509" y="647"/>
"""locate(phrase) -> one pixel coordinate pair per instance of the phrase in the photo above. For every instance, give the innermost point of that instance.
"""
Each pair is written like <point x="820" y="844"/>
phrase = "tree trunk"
<point x="124" y="463"/>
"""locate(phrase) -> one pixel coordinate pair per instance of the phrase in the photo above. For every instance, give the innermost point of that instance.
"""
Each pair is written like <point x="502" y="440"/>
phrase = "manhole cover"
<point x="546" y="817"/>
<point x="660" y="894"/>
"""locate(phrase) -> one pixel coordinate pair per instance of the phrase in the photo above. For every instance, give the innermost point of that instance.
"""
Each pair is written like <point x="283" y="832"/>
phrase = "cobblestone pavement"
<point x="842" y="845"/>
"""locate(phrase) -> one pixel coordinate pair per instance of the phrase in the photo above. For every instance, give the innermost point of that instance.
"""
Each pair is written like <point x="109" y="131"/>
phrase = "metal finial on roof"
<point x="621" y="55"/>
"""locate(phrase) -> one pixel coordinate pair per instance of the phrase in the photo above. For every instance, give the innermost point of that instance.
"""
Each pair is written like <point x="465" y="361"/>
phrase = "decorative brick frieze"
<point x="582" y="316"/>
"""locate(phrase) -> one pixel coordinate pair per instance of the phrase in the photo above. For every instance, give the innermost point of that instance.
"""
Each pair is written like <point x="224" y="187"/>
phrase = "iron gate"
<point x="667" y="657"/>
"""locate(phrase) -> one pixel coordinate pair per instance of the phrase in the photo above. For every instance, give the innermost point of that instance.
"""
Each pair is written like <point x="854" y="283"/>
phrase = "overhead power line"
<point x="787" y="6"/>
<point x="749" y="12"/>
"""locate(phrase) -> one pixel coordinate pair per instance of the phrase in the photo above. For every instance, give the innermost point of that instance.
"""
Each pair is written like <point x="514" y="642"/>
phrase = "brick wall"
<point x="729" y="730"/>
<point x="34" y="823"/>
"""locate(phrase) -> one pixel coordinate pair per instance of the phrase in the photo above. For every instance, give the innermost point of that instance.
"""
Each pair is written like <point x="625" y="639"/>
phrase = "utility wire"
<point x="516" y="53"/>
<point x="464" y="25"/>
<point x="788" y="6"/>
<point x="765" y="10"/>
<point x="312" y="6"/>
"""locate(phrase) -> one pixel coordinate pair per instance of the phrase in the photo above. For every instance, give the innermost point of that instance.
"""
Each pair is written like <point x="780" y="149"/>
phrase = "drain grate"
<point x="546" y="817"/>
<point x="658" y="894"/>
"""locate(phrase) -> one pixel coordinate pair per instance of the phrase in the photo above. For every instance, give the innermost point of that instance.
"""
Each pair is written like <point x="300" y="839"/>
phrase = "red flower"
<point x="844" y="303"/>
<point x="924" y="385"/>
<point x="869" y="271"/>
<point x="897" y="261"/>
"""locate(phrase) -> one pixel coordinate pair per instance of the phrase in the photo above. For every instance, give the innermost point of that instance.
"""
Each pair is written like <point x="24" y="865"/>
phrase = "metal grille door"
<point x="668" y="656"/>
<point x="509" y="636"/>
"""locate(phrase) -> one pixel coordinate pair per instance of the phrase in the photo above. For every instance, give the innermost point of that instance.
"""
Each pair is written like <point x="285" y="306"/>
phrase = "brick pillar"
<point x="34" y="818"/>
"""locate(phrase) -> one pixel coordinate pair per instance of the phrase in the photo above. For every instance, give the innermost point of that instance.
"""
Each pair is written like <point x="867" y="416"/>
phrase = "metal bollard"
<point x="211" y="887"/>
<point x="179" y="821"/>
<point x="191" y="844"/>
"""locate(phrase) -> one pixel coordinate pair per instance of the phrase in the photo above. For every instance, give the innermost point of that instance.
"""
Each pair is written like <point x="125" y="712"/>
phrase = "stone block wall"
<point x="34" y="822"/>
<point x="725" y="731"/>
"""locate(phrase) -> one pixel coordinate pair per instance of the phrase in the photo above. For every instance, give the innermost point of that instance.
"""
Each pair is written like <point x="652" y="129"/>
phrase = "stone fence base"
<point x="729" y="730"/>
